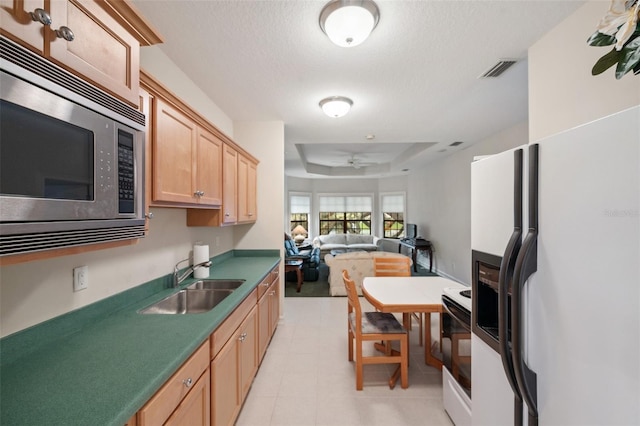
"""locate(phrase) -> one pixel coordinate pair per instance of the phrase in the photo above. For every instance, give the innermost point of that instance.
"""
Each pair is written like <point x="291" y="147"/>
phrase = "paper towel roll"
<point x="200" y="254"/>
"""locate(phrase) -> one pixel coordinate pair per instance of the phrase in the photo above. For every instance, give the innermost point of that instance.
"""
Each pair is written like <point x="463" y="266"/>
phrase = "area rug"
<point x="320" y="288"/>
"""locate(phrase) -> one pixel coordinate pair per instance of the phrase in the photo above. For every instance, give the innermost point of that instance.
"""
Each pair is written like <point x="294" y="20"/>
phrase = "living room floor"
<point x="306" y="378"/>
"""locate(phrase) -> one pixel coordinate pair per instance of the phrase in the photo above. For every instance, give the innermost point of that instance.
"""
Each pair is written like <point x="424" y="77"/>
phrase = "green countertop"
<point x="103" y="372"/>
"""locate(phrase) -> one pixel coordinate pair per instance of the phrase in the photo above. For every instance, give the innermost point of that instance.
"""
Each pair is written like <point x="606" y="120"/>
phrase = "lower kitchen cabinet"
<point x="210" y="387"/>
<point x="268" y="310"/>
<point x="195" y="408"/>
<point x="184" y="396"/>
<point x="233" y="370"/>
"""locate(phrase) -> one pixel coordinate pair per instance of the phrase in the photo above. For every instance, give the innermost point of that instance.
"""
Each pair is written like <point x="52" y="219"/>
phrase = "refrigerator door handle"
<point x="526" y="264"/>
<point x="506" y="273"/>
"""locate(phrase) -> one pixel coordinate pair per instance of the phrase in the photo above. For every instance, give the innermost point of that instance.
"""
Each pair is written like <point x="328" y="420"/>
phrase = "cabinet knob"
<point x="149" y="215"/>
<point x="39" y="15"/>
<point x="188" y="382"/>
<point x="65" y="33"/>
<point x="199" y="193"/>
<point x="226" y="214"/>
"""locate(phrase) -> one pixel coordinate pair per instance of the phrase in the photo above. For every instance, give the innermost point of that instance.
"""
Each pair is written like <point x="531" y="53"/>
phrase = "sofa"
<point x="310" y="259"/>
<point x="345" y="242"/>
<point x="359" y="265"/>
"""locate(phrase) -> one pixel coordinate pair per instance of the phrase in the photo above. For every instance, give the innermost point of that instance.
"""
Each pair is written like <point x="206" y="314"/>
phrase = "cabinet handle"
<point x="273" y="293"/>
<point x="65" y="33"/>
<point x="40" y="15"/>
<point x="188" y="382"/>
<point x="250" y="214"/>
<point x="226" y="214"/>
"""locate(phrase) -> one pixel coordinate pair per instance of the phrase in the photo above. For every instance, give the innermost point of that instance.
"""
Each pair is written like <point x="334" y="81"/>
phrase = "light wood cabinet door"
<point x="246" y="190"/>
<point x="248" y="352"/>
<point x="229" y="185"/>
<point x="264" y="325"/>
<point x="233" y="370"/>
<point x="268" y="312"/>
<point x="174" y="154"/>
<point x="102" y="50"/>
<point x="209" y="168"/>
<point x="194" y="410"/>
<point x="18" y="25"/>
<point x="274" y="303"/>
<point x="225" y="389"/>
<point x="177" y="389"/>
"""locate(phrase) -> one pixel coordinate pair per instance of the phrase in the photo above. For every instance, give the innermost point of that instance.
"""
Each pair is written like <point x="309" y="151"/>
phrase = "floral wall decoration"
<point x="619" y="28"/>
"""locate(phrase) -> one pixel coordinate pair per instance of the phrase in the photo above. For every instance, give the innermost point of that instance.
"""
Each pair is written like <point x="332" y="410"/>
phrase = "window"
<point x="393" y="215"/>
<point x="345" y="214"/>
<point x="300" y="208"/>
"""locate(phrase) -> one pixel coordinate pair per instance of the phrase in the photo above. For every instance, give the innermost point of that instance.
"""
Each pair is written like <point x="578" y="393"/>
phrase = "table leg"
<point x="429" y="359"/>
<point x="299" y="273"/>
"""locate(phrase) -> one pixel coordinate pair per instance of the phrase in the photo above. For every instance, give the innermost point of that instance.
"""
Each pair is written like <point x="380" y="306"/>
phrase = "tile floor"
<point x="306" y="378"/>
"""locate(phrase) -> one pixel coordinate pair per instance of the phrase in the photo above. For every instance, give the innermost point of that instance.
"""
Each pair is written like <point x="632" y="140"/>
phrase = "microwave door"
<point x="58" y="159"/>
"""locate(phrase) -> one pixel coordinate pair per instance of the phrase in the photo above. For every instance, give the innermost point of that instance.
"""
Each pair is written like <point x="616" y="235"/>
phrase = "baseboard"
<point x="442" y="274"/>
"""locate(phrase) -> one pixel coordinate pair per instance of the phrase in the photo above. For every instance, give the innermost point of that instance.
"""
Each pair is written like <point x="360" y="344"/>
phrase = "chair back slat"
<point x="392" y="266"/>
<point x="352" y="296"/>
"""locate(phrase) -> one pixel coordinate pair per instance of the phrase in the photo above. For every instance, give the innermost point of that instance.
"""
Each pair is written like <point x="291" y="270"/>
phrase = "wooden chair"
<point x="397" y="267"/>
<point x="374" y="326"/>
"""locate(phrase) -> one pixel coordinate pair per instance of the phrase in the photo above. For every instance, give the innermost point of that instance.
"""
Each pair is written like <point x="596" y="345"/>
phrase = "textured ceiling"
<point x="414" y="82"/>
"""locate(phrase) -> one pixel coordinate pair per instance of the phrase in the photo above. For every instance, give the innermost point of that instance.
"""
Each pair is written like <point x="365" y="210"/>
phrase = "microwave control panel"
<point x="126" y="173"/>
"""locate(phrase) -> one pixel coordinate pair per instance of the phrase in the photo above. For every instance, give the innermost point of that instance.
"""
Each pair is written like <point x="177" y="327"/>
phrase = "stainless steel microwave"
<point x="71" y="170"/>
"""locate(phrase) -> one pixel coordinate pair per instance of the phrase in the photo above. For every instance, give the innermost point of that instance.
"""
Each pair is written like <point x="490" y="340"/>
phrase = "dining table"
<point x="410" y="294"/>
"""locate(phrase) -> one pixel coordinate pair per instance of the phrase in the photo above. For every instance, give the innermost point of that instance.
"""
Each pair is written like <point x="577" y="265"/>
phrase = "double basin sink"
<point x="201" y="296"/>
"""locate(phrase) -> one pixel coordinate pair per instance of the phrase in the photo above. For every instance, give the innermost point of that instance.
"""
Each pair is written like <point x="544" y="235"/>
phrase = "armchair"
<point x="310" y="258"/>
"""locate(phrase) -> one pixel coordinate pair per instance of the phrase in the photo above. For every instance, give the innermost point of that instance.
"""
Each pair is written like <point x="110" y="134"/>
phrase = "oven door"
<point x="456" y="353"/>
<point x="456" y="342"/>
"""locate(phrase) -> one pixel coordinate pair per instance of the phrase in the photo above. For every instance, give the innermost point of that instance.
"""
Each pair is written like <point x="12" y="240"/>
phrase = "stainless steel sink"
<point x="215" y="284"/>
<point x="188" y="302"/>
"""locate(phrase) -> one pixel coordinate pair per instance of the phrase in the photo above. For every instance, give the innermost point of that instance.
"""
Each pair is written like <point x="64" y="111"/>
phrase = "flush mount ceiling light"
<point x="348" y="23"/>
<point x="336" y="106"/>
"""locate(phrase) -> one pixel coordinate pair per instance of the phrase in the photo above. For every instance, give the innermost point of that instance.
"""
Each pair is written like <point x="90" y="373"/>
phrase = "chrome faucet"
<point x="178" y="279"/>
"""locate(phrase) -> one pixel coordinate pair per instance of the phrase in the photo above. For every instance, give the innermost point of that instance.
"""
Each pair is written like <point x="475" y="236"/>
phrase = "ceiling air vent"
<point x="499" y="68"/>
<point x="455" y="143"/>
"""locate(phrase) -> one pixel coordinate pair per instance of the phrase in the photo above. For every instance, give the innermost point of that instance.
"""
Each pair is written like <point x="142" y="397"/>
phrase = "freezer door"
<point x="492" y="197"/>
<point x="583" y="303"/>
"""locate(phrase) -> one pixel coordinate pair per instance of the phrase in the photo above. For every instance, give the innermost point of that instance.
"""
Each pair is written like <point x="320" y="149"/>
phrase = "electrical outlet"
<point x="80" y="278"/>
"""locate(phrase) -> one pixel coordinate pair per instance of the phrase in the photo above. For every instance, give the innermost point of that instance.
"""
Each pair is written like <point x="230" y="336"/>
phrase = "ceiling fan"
<point x="356" y="162"/>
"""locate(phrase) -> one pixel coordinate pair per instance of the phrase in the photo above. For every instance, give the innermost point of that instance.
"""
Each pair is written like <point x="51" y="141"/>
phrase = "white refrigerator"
<point x="555" y="236"/>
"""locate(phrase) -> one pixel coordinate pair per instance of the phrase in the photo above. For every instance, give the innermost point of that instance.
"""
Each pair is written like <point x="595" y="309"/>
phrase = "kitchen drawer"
<point x="158" y="409"/>
<point x="229" y="326"/>
<point x="264" y="285"/>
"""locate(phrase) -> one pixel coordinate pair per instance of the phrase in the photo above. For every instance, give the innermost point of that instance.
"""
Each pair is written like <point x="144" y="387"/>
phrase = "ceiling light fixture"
<point x="336" y="106"/>
<point x="348" y="23"/>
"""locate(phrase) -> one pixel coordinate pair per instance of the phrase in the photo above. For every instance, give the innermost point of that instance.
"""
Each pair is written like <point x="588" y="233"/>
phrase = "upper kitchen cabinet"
<point x="187" y="160"/>
<point x="98" y="40"/>
<point x="193" y="164"/>
<point x="247" y="181"/>
<point x="239" y="182"/>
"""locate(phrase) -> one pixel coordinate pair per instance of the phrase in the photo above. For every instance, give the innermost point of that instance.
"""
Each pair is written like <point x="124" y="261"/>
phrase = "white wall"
<point x="265" y="141"/>
<point x="562" y="92"/>
<point x="36" y="291"/>
<point x="440" y="202"/>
